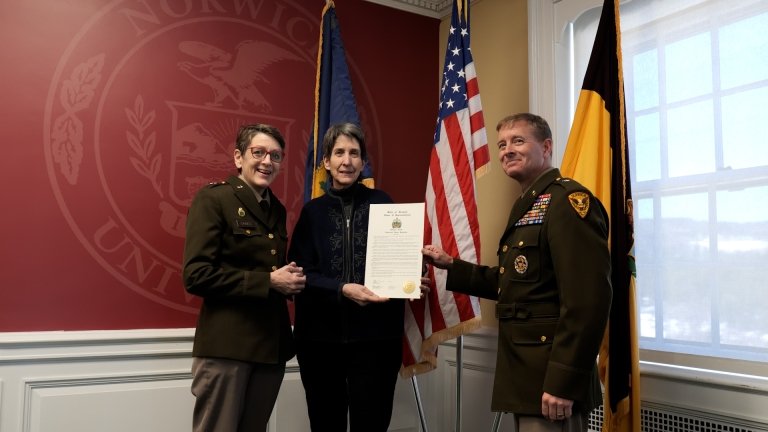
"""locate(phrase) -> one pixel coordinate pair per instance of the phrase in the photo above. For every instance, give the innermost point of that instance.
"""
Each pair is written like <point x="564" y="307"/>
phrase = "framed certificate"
<point x="393" y="255"/>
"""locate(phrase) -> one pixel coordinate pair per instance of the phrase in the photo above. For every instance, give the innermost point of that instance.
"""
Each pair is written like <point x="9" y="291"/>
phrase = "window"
<point x="696" y="83"/>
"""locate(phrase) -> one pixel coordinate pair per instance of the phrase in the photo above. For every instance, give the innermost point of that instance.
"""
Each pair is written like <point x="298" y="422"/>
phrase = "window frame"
<point x="550" y="28"/>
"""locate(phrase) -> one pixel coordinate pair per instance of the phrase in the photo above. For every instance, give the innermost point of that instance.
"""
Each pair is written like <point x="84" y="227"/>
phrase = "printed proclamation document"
<point x="393" y="261"/>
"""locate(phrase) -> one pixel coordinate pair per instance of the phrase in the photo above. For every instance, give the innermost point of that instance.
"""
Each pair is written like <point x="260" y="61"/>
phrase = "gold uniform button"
<point x="248" y="232"/>
<point x="521" y="243"/>
<point x="271" y="235"/>
<point x="543" y="338"/>
<point x="273" y="252"/>
<point x="274" y="268"/>
<point x="501" y="270"/>
<point x="505" y="248"/>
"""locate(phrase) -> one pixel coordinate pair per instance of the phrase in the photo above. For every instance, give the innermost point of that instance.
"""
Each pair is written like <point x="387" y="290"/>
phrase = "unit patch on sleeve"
<point x="580" y="202"/>
<point x="537" y="212"/>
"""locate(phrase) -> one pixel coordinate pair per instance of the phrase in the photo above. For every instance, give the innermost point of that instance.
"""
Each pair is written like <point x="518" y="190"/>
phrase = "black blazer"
<point x="332" y="253"/>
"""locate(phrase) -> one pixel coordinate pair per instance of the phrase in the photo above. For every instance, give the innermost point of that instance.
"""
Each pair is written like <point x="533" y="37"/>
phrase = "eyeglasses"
<point x="259" y="153"/>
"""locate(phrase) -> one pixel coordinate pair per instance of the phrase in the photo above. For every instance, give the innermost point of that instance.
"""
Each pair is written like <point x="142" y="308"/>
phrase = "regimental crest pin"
<point x="240" y="212"/>
<point x="580" y="202"/>
<point x="521" y="264"/>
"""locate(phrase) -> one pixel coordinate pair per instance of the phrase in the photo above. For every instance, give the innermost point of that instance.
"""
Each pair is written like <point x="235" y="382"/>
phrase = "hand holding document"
<point x="393" y="259"/>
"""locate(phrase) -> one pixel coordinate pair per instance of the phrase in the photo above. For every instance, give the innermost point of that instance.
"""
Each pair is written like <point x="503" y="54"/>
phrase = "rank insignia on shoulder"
<point x="580" y="202"/>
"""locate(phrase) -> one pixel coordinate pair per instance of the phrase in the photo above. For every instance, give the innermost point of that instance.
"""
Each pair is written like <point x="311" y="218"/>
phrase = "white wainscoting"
<point x="138" y="380"/>
<point x="95" y="381"/>
<point x="478" y="357"/>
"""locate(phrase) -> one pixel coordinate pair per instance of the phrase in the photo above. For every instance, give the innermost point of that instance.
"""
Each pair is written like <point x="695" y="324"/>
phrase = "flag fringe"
<point x="626" y="418"/>
<point x="627" y="415"/>
<point x="316" y="121"/>
<point x="428" y="359"/>
<point x="612" y="421"/>
<point x="483" y="170"/>
<point x="622" y="106"/>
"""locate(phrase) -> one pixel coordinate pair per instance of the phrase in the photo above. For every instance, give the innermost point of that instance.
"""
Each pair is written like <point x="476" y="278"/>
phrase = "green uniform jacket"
<point x="554" y="293"/>
<point x="232" y="245"/>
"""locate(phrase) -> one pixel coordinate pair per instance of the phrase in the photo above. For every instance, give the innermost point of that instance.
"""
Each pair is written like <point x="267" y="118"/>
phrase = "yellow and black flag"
<point x="596" y="156"/>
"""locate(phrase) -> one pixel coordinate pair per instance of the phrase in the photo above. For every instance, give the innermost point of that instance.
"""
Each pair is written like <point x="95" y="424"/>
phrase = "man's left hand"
<point x="554" y="408"/>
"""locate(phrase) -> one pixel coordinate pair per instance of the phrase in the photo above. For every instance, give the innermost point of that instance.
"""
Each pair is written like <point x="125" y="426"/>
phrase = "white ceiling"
<point x="431" y="8"/>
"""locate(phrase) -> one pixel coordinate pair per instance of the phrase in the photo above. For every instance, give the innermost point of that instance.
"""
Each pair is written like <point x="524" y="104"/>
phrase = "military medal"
<point x="535" y="216"/>
<point x="240" y="212"/>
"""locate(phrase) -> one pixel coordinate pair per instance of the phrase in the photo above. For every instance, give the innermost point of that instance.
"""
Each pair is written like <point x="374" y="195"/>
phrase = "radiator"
<point x="660" y="418"/>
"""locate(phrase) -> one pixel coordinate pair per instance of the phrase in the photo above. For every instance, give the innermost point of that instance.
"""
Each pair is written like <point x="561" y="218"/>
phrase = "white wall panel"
<point x="149" y="403"/>
<point x="139" y="381"/>
<point x="121" y="381"/>
<point x="96" y="381"/>
<point x="478" y="359"/>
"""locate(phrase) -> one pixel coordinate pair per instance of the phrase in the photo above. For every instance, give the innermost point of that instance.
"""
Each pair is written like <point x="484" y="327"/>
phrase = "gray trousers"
<point x="233" y="396"/>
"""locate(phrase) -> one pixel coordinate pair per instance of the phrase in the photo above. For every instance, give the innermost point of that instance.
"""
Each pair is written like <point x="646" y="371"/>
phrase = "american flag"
<point x="460" y="153"/>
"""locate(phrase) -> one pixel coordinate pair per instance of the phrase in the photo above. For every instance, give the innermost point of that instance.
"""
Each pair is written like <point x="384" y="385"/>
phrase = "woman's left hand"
<point x="360" y="294"/>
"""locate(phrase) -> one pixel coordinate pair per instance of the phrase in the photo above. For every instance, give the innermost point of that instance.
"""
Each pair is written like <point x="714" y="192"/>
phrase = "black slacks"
<point x="357" y="378"/>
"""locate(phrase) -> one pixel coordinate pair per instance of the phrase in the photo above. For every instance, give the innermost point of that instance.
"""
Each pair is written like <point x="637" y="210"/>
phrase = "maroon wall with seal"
<point x="115" y="113"/>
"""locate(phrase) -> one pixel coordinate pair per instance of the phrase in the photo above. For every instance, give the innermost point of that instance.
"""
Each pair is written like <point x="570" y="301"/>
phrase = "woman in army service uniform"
<point x="235" y="259"/>
<point x="552" y="286"/>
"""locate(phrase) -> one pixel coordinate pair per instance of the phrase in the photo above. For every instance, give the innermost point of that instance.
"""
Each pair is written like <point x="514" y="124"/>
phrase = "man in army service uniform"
<point x="552" y="286"/>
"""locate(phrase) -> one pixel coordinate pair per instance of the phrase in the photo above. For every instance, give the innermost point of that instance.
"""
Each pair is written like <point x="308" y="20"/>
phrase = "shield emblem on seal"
<point x="202" y="145"/>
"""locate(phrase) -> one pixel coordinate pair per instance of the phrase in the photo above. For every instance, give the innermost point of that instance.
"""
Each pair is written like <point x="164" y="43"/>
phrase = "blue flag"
<point x="334" y="102"/>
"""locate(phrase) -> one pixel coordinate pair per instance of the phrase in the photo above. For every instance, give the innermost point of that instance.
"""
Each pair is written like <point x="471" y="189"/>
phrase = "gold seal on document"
<point x="409" y="287"/>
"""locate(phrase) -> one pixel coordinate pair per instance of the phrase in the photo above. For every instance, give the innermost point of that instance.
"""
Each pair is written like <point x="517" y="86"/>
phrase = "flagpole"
<point x="496" y="422"/>
<point x="419" y="406"/>
<point x="459" y="373"/>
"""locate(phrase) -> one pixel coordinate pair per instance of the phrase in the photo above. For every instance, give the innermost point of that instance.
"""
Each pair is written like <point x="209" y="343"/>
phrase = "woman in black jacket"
<point x="348" y="339"/>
